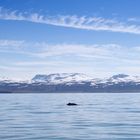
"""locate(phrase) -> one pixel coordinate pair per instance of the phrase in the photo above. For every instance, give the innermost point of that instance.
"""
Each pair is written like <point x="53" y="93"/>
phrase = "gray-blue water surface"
<point x="99" y="116"/>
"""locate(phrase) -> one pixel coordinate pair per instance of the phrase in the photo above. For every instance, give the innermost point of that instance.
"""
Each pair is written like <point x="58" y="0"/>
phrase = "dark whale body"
<point x="71" y="104"/>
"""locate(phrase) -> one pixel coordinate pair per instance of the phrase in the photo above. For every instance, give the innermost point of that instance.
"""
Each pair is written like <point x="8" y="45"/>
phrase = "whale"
<point x="72" y="104"/>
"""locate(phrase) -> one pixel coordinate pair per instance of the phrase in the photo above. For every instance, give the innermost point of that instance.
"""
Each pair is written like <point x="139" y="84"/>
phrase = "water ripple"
<point x="46" y="117"/>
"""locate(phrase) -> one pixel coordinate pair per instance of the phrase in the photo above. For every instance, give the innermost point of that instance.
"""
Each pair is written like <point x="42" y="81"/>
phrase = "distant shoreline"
<point x="65" y="92"/>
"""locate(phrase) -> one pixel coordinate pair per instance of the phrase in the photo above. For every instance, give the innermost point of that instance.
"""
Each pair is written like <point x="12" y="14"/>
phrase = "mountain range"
<point x="71" y="83"/>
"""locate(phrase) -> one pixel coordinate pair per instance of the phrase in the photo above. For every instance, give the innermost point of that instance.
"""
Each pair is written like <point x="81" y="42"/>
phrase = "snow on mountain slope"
<point x="116" y="79"/>
<point x="124" y="78"/>
<point x="58" y="78"/>
<point x="73" y="78"/>
<point x="71" y="82"/>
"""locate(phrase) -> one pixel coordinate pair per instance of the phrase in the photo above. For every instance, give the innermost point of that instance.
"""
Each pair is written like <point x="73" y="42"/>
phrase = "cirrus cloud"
<point x="73" y="21"/>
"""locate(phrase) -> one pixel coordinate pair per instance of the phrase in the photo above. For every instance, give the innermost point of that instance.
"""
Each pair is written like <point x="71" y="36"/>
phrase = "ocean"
<point x="98" y="116"/>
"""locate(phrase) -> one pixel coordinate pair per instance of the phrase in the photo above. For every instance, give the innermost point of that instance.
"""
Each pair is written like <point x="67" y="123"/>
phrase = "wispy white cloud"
<point x="83" y="22"/>
<point x="38" y="63"/>
<point x="47" y="58"/>
<point x="43" y="50"/>
<point x="134" y="19"/>
<point x="11" y="43"/>
<point x="72" y="49"/>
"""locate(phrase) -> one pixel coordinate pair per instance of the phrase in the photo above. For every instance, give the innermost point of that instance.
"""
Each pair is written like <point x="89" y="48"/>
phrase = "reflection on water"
<point x="103" y="116"/>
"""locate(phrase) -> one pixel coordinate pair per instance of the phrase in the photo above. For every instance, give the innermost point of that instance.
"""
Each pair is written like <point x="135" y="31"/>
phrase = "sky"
<point x="95" y="37"/>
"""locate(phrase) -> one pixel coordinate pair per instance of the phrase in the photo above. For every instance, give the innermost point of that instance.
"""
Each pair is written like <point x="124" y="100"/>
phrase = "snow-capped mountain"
<point x="72" y="82"/>
<point x="59" y="78"/>
<point x="124" y="78"/>
<point x="62" y="78"/>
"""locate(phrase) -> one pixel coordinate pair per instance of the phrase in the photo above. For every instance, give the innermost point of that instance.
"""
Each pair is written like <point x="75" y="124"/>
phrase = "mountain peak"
<point x="60" y="77"/>
<point x="119" y="76"/>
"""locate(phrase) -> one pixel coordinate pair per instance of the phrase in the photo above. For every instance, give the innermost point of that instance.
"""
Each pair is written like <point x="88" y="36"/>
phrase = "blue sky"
<point x="95" y="37"/>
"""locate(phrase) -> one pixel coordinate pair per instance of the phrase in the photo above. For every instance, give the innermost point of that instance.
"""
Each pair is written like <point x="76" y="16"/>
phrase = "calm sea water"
<point x="103" y="116"/>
